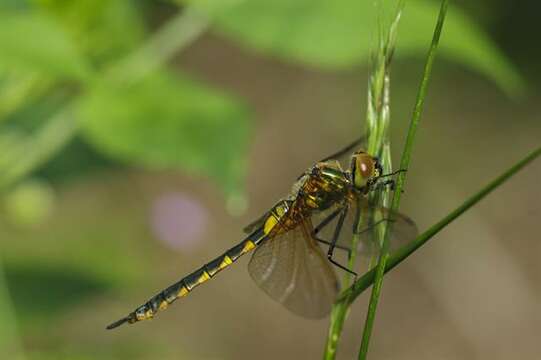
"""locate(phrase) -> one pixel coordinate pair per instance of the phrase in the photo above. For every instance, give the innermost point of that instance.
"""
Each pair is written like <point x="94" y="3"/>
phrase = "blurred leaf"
<point x="339" y="34"/>
<point x="34" y="43"/>
<point x="16" y="90"/>
<point x="58" y="128"/>
<point x="104" y="29"/>
<point x="167" y="121"/>
<point x="13" y="4"/>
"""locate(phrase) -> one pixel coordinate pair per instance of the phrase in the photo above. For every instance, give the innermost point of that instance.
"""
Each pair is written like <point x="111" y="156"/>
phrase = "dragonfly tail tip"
<point x="117" y="323"/>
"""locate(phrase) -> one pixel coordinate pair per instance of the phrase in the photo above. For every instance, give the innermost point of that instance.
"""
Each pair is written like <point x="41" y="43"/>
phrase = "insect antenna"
<point x="393" y="173"/>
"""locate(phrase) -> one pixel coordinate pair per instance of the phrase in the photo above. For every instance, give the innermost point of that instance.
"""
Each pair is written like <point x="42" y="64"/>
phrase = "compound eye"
<point x="365" y="168"/>
<point x="365" y="165"/>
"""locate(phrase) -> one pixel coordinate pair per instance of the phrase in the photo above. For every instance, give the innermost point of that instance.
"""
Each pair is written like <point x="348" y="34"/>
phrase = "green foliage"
<point x="76" y="40"/>
<point x="338" y="34"/>
<point x="168" y="121"/>
<point x="32" y="42"/>
<point x="162" y="121"/>
<point x="103" y="29"/>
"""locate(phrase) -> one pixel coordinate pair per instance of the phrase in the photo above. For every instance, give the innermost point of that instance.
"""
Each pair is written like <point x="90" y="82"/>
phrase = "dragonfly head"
<point x="365" y="169"/>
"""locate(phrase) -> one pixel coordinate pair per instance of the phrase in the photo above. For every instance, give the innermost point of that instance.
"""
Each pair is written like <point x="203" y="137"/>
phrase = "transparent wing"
<point x="364" y="220"/>
<point x="292" y="270"/>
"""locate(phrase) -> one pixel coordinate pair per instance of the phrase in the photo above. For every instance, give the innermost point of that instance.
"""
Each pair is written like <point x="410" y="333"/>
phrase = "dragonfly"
<point x="326" y="207"/>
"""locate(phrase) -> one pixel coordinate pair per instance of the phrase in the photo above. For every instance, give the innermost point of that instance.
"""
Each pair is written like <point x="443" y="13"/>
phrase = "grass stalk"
<point x="404" y="164"/>
<point x="377" y="125"/>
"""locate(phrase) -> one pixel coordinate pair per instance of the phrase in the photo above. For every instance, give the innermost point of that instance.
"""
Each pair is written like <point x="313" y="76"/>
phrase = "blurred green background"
<point x="137" y="138"/>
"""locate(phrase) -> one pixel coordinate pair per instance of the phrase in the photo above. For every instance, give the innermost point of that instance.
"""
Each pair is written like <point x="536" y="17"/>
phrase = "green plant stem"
<point x="338" y="317"/>
<point x="377" y="125"/>
<point x="404" y="164"/>
<point x="179" y="32"/>
<point x="349" y="295"/>
<point x="339" y="313"/>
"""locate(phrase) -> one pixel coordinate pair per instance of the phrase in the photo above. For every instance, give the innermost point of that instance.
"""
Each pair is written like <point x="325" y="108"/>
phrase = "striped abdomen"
<point x="188" y="283"/>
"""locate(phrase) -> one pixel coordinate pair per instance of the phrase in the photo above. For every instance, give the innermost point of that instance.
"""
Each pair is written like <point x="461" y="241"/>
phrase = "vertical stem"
<point x="377" y="125"/>
<point x="404" y="164"/>
<point x="338" y="316"/>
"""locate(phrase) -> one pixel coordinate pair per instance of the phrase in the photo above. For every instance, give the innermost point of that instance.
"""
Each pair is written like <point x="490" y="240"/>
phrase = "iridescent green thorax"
<point x="321" y="186"/>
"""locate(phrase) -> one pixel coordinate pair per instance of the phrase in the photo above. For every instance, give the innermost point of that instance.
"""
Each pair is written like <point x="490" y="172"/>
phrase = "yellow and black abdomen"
<point x="181" y="288"/>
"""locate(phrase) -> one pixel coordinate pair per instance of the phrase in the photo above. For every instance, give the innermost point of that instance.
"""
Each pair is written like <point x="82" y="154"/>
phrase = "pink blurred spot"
<point x="179" y="220"/>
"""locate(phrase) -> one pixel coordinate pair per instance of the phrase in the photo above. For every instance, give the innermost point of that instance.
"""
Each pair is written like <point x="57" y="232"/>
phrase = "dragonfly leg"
<point x="341" y="152"/>
<point x="372" y="226"/>
<point x="326" y="221"/>
<point x="382" y="185"/>
<point x="323" y="224"/>
<point x="333" y="245"/>
<point x="341" y="247"/>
